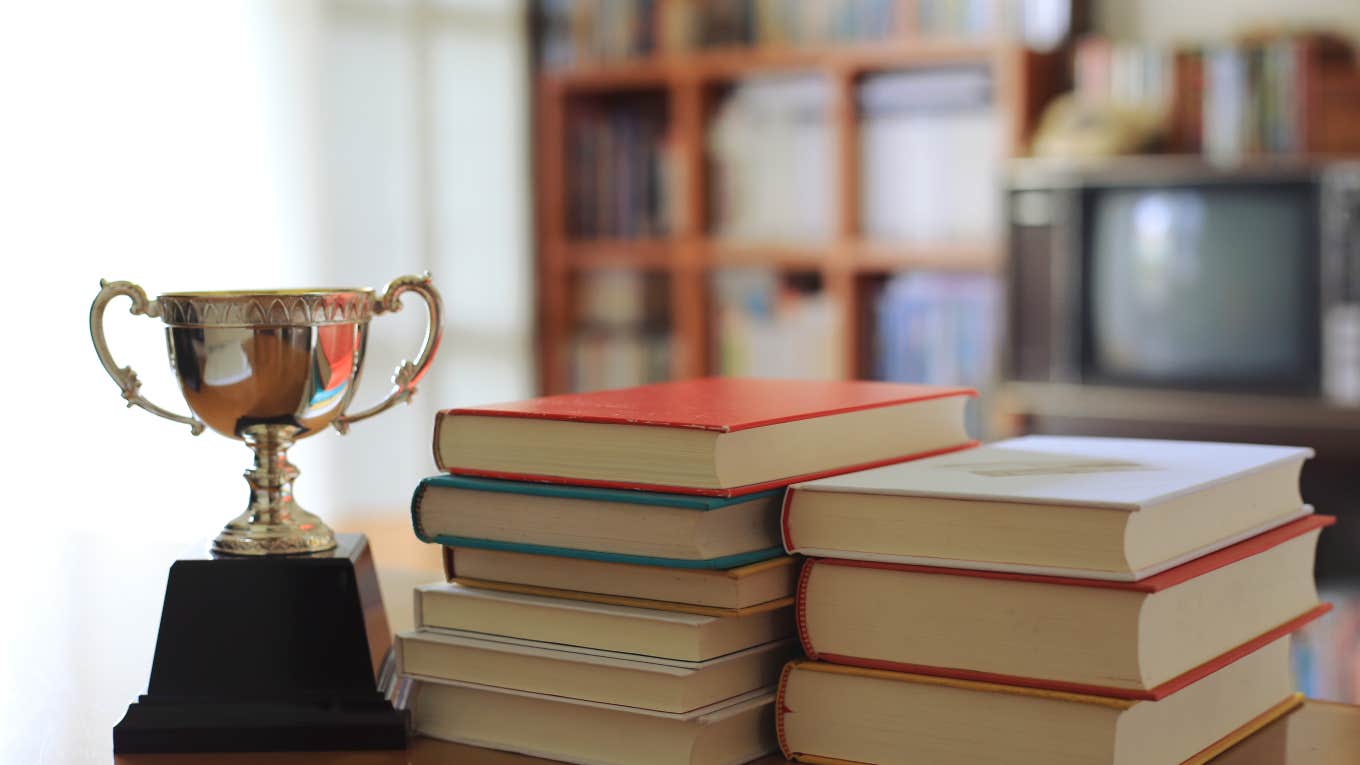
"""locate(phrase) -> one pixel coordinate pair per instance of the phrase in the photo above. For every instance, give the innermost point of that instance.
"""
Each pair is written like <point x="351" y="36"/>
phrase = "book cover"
<point x="718" y="404"/>
<point x="1158" y="583"/>
<point x="1116" y="473"/>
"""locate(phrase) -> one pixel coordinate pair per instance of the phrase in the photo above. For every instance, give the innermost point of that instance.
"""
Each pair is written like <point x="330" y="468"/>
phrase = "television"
<point x="1184" y="275"/>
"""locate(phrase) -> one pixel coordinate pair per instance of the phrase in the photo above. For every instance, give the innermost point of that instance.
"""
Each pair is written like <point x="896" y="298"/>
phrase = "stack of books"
<point x="1047" y="599"/>
<point x="617" y="589"/>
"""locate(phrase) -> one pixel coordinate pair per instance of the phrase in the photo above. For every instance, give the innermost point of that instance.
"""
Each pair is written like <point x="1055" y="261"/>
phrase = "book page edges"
<point x="736" y="572"/>
<point x="456" y="591"/>
<point x="1074" y="576"/>
<point x="703" y="715"/>
<point x="1077" y="691"/>
<point x="1293" y="702"/>
<point x="623" y="600"/>
<point x="580" y="654"/>
<point x="1276" y="712"/>
<point x="734" y="491"/>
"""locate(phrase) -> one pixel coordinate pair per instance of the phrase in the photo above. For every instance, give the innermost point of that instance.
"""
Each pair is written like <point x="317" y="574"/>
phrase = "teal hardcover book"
<point x="613" y="525"/>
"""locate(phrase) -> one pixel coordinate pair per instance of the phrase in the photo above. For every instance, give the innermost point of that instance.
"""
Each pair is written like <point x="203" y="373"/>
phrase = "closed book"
<point x="1134" y="640"/>
<point x="717" y="436"/>
<point x="590" y="733"/>
<point x="649" y="528"/>
<point x="643" y="631"/>
<point x="827" y="713"/>
<point x="630" y="680"/>
<point x="732" y="589"/>
<point x="1099" y="508"/>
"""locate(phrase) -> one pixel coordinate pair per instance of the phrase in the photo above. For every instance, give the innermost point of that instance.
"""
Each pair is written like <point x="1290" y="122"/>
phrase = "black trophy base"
<point x="156" y="726"/>
<point x="268" y="654"/>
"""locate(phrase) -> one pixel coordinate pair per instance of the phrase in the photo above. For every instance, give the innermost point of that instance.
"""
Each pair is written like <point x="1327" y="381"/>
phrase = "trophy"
<point x="268" y="368"/>
<point x="274" y="638"/>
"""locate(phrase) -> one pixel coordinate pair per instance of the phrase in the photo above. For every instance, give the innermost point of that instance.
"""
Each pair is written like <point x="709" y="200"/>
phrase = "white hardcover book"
<point x="1102" y="508"/>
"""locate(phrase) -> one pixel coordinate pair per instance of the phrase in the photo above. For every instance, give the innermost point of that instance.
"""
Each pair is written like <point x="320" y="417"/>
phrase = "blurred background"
<point x="1116" y="218"/>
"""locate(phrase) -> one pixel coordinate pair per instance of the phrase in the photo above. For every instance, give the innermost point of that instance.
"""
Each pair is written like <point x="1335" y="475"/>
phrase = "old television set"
<point x="1179" y="274"/>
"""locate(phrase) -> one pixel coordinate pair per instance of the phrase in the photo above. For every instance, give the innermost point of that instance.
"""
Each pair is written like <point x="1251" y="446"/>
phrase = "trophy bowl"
<point x="269" y="367"/>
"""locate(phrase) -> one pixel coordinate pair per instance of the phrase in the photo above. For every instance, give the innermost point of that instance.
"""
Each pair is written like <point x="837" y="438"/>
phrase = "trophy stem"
<point x="273" y="523"/>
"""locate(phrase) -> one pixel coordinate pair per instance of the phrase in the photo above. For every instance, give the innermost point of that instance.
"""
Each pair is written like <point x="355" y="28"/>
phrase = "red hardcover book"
<point x="715" y="436"/>
<point x="1130" y="640"/>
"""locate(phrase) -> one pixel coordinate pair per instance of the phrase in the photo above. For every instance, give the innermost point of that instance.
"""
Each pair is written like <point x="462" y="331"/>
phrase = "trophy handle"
<point x="408" y="373"/>
<point x="124" y="376"/>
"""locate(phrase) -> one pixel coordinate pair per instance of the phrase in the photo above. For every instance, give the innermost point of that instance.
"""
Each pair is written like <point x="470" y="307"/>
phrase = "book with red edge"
<point x="1131" y="640"/>
<point x="830" y="714"/>
<point x="715" y="436"/>
<point x="1122" y="509"/>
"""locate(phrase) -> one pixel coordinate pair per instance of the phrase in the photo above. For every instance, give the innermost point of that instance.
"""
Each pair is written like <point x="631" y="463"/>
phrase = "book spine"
<point x="800" y="608"/>
<point x="780" y="709"/>
<point x="416" y="500"/>
<point x="784" y="509"/>
<point x="434" y="445"/>
<point x="449" y="572"/>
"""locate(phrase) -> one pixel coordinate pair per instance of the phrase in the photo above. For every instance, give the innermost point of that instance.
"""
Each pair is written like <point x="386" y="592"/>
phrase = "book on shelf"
<point x="711" y="436"/>
<point x="679" y="530"/>
<point x="1135" y="76"/>
<point x="616" y="167"/>
<point x="630" y="680"/>
<point x="768" y="325"/>
<point x="770" y="143"/>
<point x="1137" y="640"/>
<point x="1096" y="508"/>
<point x="931" y="148"/>
<point x="833" y="713"/>
<point x="729" y="732"/>
<point x="622" y="335"/>
<point x="724" y="590"/>
<point x="625" y="629"/>
<point x="574" y="32"/>
<point x="938" y="328"/>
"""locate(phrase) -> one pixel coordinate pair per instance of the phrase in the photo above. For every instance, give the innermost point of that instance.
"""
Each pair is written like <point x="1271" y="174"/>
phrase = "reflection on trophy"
<point x="270" y="367"/>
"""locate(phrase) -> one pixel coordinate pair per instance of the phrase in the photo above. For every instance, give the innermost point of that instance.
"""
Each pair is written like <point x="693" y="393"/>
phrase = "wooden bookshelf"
<point x="690" y="82"/>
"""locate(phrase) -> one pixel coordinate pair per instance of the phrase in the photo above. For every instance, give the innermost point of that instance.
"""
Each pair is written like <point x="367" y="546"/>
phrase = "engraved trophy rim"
<point x="308" y="307"/>
<point x="238" y="294"/>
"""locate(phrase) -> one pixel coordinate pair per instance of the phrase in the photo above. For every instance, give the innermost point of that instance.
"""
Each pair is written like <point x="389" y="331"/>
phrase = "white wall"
<point x="255" y="143"/>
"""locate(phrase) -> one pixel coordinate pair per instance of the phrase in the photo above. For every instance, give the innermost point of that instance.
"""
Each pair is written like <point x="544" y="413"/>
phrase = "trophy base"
<point x="305" y="533"/>
<point x="154" y="726"/>
<point x="276" y="653"/>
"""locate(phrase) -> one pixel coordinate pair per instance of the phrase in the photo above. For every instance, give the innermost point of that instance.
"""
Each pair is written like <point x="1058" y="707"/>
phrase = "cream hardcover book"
<point x="590" y="733"/>
<point x="746" y="587"/>
<point x="1100" y="508"/>
<point x="828" y="713"/>
<point x="626" y="629"/>
<point x="663" y="685"/>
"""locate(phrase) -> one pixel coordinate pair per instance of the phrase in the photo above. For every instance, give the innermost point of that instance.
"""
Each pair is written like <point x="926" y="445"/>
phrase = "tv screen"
<point x="1210" y="286"/>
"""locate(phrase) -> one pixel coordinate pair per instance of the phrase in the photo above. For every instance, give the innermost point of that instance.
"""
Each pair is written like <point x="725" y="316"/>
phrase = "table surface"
<point x="82" y="627"/>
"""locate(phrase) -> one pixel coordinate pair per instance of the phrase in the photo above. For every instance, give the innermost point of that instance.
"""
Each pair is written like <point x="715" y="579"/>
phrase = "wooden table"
<point x="81" y="626"/>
